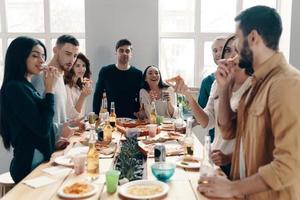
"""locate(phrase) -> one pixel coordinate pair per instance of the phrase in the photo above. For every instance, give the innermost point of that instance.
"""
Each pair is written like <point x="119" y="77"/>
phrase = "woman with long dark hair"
<point x="155" y="90"/>
<point x="78" y="86"/>
<point x="26" y="117"/>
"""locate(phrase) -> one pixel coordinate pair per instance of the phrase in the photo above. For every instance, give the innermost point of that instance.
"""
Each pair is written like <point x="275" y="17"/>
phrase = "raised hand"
<point x="51" y="75"/>
<point x="86" y="90"/>
<point x="179" y="85"/>
<point x="225" y="73"/>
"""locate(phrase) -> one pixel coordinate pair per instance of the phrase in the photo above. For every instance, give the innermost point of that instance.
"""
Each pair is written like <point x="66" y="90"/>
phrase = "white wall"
<point x="107" y="21"/>
<point x="295" y="35"/>
<point x="5" y="158"/>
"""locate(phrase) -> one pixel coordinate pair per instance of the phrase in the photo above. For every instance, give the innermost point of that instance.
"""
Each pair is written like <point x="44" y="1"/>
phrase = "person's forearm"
<point x="225" y="113"/>
<point x="80" y="103"/>
<point x="250" y="185"/>
<point x="170" y="109"/>
<point x="200" y="115"/>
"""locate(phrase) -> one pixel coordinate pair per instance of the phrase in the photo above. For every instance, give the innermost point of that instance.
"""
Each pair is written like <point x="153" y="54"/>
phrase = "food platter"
<point x="188" y="162"/>
<point x="144" y="189"/>
<point x="74" y="190"/>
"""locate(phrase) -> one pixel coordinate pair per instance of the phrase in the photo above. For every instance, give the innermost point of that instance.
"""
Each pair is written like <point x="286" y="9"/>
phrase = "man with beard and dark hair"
<point x="65" y="53"/>
<point x="266" y="161"/>
<point x="121" y="82"/>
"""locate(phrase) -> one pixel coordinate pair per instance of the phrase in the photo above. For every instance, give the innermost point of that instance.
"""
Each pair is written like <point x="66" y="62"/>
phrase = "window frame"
<point x="46" y="35"/>
<point x="201" y="37"/>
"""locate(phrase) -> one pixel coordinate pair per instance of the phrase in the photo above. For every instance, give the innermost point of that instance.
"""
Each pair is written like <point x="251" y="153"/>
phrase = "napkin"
<point x="100" y="180"/>
<point x="57" y="170"/>
<point x="39" y="181"/>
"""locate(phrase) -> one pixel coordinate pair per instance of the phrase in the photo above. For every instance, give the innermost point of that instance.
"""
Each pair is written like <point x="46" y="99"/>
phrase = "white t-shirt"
<point x="160" y="105"/>
<point x="73" y="94"/>
<point x="212" y="109"/>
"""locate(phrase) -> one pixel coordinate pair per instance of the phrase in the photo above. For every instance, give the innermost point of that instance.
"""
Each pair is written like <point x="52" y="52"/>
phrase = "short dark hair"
<point x="68" y="76"/>
<point x="146" y="86"/>
<point x="123" y="42"/>
<point x="63" y="39"/>
<point x="265" y="20"/>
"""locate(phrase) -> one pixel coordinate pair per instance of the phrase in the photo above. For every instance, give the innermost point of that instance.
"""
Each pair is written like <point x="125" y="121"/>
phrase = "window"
<point x="187" y="29"/>
<point x="25" y="16"/>
<point x="42" y="19"/>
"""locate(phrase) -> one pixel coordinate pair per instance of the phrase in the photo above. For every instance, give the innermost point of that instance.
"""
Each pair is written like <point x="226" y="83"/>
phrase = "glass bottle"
<point x="112" y="116"/>
<point x="107" y="132"/>
<point x="92" y="158"/>
<point x="207" y="166"/>
<point x="152" y="117"/>
<point x="92" y="120"/>
<point x="104" y="103"/>
<point x="103" y="111"/>
<point x="188" y="139"/>
<point x="179" y="122"/>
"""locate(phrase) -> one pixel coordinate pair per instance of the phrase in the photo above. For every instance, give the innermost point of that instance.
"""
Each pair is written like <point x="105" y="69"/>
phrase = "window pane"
<point x="67" y="16"/>
<point x="250" y="3"/>
<point x="25" y="15"/>
<point x="1" y="63"/>
<point x="177" y="15"/>
<point x="209" y="64"/>
<point x="177" y="58"/>
<point x="218" y="16"/>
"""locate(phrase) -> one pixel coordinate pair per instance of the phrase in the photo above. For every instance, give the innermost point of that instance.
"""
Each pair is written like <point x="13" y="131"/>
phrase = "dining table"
<point x="182" y="185"/>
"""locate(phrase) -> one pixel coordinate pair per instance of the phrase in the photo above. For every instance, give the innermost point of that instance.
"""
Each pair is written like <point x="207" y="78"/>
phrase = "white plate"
<point x="64" y="161"/>
<point x="125" y="119"/>
<point x="77" y="150"/>
<point x="61" y="193"/>
<point x="143" y="183"/>
<point x="188" y="165"/>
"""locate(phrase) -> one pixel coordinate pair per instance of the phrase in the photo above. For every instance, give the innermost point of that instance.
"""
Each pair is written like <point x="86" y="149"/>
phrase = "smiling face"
<point x="66" y="55"/>
<point x="217" y="48"/>
<point x="231" y="51"/>
<point x="35" y="60"/>
<point x="79" y="68"/>
<point x="152" y="76"/>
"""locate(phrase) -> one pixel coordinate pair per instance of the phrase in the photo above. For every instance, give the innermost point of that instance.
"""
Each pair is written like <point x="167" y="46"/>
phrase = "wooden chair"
<point x="6" y="183"/>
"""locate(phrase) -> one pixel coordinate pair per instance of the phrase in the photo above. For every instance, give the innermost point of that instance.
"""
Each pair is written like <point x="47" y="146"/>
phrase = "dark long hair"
<point x="145" y="85"/>
<point x="233" y="37"/>
<point x="68" y="78"/>
<point x="15" y="68"/>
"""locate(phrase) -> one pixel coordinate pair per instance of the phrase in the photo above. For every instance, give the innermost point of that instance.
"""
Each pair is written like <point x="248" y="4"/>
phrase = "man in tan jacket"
<point x="266" y="159"/>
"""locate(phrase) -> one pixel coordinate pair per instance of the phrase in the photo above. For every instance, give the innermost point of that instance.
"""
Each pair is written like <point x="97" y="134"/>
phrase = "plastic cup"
<point x="152" y="129"/>
<point x="112" y="179"/>
<point x="159" y="119"/>
<point x="79" y="163"/>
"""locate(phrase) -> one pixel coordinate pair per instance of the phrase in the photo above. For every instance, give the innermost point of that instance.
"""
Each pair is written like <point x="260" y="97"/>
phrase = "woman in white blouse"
<point x="155" y="90"/>
<point x="207" y="117"/>
<point x="78" y="86"/>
